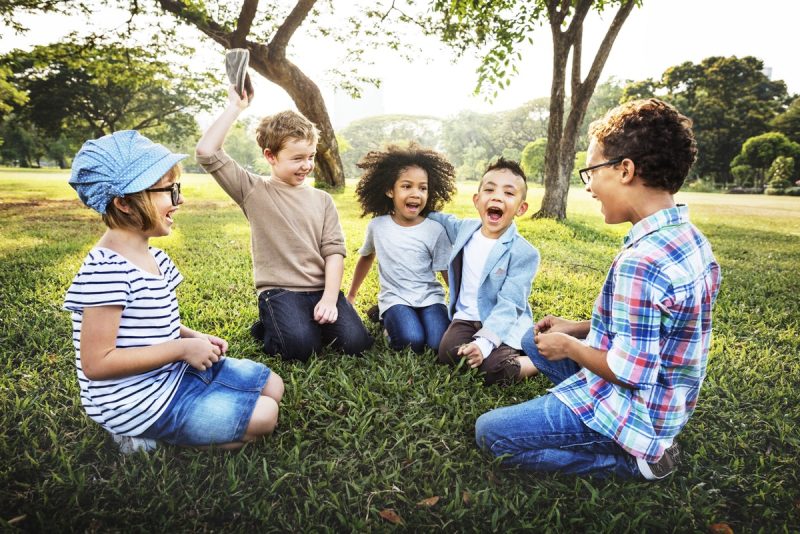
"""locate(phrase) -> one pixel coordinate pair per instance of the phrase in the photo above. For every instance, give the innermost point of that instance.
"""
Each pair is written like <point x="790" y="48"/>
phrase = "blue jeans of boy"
<point x="291" y="331"/>
<point x="416" y="327"/>
<point x="543" y="434"/>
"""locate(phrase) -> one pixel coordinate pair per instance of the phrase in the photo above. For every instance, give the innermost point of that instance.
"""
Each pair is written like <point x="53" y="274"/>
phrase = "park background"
<point x="386" y="441"/>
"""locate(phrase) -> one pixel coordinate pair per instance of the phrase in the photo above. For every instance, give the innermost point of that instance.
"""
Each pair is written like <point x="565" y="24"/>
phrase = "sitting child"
<point x="399" y="187"/>
<point x="623" y="394"/>
<point x="296" y="240"/>
<point x="491" y="271"/>
<point x="141" y="372"/>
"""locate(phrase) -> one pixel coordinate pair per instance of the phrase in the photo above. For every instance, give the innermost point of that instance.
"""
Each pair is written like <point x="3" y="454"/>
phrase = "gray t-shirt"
<point x="408" y="257"/>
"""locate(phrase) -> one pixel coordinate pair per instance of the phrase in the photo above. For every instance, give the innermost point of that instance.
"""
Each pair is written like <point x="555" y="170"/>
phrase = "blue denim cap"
<point x="118" y="164"/>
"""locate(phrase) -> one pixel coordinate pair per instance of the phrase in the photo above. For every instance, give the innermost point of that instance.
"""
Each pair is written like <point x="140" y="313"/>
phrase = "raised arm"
<point x="215" y="135"/>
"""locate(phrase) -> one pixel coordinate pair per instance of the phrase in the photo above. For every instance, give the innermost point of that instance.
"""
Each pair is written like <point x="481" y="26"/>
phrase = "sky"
<point x="660" y="34"/>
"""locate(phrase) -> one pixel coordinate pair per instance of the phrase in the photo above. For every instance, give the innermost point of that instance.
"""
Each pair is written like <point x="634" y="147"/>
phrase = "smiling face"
<point x="294" y="162"/>
<point x="409" y="195"/>
<point x="500" y="198"/>
<point x="605" y="185"/>
<point x="164" y="210"/>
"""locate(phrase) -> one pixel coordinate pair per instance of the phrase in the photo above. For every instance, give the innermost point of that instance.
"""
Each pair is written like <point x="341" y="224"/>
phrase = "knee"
<point x="300" y="345"/>
<point x="357" y="342"/>
<point x="401" y="340"/>
<point x="274" y="387"/>
<point x="264" y="418"/>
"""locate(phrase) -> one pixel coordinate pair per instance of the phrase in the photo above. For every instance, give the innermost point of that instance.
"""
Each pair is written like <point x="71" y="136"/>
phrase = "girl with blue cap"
<point x="143" y="375"/>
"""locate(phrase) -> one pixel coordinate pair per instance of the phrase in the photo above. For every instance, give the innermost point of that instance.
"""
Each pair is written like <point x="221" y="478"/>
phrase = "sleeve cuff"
<point x="485" y="345"/>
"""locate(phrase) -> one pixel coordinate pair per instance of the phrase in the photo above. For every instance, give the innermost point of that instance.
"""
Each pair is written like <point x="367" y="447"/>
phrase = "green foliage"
<point x="760" y="152"/>
<point x="729" y="100"/>
<point x="780" y="172"/>
<point x="10" y="96"/>
<point x="744" y="175"/>
<point x="533" y="159"/>
<point x="79" y="90"/>
<point x="374" y="133"/>
<point x="360" y="435"/>
<point x="788" y="122"/>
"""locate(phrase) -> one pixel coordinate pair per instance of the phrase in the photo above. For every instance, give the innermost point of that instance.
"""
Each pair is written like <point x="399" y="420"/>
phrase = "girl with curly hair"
<point x="400" y="185"/>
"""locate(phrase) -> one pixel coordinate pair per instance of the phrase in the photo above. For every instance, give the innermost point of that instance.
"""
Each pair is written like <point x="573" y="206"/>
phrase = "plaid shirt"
<point x="653" y="316"/>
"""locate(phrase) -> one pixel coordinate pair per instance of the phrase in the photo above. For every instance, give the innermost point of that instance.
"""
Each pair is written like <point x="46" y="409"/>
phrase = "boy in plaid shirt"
<point x="627" y="381"/>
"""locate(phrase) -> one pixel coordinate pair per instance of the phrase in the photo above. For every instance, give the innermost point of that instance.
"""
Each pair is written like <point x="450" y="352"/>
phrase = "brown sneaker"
<point x="665" y="465"/>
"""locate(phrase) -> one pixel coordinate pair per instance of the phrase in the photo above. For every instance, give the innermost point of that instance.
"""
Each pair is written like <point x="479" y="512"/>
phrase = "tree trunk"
<point x="270" y="61"/>
<point x="562" y="137"/>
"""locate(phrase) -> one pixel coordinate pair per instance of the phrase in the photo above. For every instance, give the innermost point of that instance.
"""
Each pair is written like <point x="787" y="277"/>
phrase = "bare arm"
<point x="551" y="324"/>
<point x="363" y="266"/>
<point x="214" y="137"/>
<point x="558" y="345"/>
<point x="101" y="359"/>
<point x="325" y="311"/>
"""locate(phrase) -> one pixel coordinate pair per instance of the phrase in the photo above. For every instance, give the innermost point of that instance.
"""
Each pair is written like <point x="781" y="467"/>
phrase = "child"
<point x="491" y="271"/>
<point x="399" y="187"/>
<point x="141" y="372"/>
<point x="624" y="394"/>
<point x="296" y="240"/>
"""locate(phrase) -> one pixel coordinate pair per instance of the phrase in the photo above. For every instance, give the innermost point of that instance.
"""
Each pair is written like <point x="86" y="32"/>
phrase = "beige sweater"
<point x="292" y="228"/>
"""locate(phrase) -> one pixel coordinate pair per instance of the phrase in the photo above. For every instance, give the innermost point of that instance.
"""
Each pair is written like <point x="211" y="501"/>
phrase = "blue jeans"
<point x="416" y="327"/>
<point x="544" y="434"/>
<point x="212" y="406"/>
<point x="291" y="331"/>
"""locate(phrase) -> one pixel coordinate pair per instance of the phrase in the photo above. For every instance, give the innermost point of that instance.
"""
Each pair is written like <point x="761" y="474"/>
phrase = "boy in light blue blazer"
<point x="491" y="271"/>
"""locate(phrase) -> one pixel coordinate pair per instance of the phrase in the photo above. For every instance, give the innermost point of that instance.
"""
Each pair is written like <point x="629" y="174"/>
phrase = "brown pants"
<point x="500" y="367"/>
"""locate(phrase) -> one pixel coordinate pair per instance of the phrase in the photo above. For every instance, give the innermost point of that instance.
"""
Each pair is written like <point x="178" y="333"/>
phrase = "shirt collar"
<point x="660" y="219"/>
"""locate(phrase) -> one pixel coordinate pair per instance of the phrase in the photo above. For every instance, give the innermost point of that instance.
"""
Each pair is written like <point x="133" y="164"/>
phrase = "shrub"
<point x="701" y="186"/>
<point x="780" y="172"/>
<point x="792" y="191"/>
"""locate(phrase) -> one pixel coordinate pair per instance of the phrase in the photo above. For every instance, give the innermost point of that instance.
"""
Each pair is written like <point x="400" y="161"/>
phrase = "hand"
<point x="325" y="311"/>
<point x="472" y="353"/>
<point x="236" y="100"/>
<point x="552" y="324"/>
<point x="553" y="346"/>
<point x="218" y="342"/>
<point x="200" y="353"/>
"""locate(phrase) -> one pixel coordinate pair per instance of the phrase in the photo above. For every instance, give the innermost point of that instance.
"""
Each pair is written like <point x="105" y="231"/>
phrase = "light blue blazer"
<point x="505" y="283"/>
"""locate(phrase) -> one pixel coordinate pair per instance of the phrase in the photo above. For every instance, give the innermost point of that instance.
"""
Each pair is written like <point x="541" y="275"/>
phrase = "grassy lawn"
<point x="359" y="436"/>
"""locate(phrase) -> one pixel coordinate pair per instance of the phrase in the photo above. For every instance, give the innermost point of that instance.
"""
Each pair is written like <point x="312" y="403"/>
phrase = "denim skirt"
<point x="212" y="406"/>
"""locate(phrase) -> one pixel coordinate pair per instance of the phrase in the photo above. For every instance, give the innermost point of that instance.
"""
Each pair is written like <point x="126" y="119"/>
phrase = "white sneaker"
<point x="131" y="444"/>
<point x="665" y="465"/>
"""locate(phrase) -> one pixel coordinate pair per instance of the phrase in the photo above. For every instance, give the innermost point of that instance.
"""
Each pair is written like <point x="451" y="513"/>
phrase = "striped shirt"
<point x="128" y="405"/>
<point x="653" y="316"/>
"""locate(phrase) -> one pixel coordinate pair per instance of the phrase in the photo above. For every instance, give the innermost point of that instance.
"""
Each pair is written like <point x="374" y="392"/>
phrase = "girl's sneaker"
<point x="131" y="444"/>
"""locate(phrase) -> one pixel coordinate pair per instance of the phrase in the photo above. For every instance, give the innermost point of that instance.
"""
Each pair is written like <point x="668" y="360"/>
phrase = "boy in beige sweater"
<point x="295" y="236"/>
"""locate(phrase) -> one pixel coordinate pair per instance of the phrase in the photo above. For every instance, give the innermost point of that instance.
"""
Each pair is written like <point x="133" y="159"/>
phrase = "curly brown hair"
<point x="383" y="168"/>
<point x="654" y="135"/>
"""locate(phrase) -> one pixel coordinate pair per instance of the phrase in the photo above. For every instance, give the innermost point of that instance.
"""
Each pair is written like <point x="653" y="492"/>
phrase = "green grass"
<point x="362" y="435"/>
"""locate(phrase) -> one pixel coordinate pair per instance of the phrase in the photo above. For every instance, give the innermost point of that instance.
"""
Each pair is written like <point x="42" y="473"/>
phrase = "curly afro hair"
<point x="652" y="134"/>
<point x="383" y="168"/>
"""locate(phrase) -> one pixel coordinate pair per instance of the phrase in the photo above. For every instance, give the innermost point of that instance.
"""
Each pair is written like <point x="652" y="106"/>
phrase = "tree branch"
<point x="200" y="19"/>
<point x="280" y="41"/>
<point x="244" y="23"/>
<point x="605" y="46"/>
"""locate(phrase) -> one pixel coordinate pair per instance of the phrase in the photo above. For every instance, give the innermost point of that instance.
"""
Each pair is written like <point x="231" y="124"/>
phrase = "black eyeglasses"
<point x="585" y="174"/>
<point x="174" y="189"/>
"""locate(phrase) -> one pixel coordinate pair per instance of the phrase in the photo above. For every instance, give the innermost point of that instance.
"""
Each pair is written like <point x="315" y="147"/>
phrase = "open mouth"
<point x="412" y="206"/>
<point x="494" y="214"/>
<point x="170" y="214"/>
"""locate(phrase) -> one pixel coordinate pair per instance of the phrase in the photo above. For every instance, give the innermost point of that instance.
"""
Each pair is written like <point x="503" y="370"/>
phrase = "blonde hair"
<point x="142" y="214"/>
<point x="273" y="131"/>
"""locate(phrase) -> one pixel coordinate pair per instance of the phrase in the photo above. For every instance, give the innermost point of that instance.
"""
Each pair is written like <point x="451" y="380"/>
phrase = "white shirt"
<point x="475" y="254"/>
